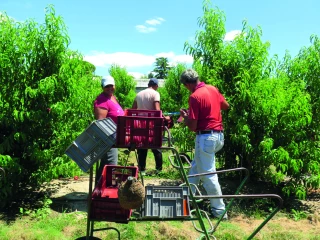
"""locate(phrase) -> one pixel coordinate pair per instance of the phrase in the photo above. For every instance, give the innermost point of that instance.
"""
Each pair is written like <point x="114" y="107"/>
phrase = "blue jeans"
<point x="204" y="162"/>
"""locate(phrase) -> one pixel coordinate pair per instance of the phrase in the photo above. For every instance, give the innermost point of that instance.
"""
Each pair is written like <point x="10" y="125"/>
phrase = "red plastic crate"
<point x="143" y="113"/>
<point x="105" y="204"/>
<point x="140" y="129"/>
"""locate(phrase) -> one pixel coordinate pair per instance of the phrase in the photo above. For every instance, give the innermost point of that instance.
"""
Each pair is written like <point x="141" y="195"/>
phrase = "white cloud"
<point x="5" y="17"/>
<point x="175" y="59"/>
<point x="2" y="17"/>
<point x="144" y="29"/>
<point x="126" y="59"/>
<point x="183" y="59"/>
<point x="165" y="55"/>
<point x="134" y="60"/>
<point x="136" y="75"/>
<point x="192" y="39"/>
<point x="230" y="36"/>
<point x="155" y="21"/>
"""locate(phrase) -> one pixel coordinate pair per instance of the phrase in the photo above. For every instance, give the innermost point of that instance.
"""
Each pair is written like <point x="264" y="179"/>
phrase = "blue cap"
<point x="153" y="81"/>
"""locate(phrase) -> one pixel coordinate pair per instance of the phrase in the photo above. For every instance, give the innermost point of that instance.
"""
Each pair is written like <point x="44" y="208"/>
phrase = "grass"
<point x="245" y="216"/>
<point x="168" y="172"/>
<point x="52" y="227"/>
<point x="67" y="226"/>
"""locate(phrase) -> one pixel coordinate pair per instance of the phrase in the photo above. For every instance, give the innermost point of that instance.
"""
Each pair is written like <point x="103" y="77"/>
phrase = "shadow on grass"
<point x="29" y="198"/>
<point x="33" y="198"/>
<point x="71" y="202"/>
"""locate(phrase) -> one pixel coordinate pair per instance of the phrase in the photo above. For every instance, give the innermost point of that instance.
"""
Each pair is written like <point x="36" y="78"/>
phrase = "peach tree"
<point x="174" y="96"/>
<point x="46" y="95"/>
<point x="272" y="125"/>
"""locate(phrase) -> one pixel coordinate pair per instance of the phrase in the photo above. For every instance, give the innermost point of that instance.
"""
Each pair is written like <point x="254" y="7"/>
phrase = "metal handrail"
<point x="241" y="196"/>
<point x="4" y="173"/>
<point x="197" y="198"/>
<point x="232" y="197"/>
<point x="169" y="135"/>
<point x="176" y="166"/>
<point x="280" y="203"/>
<point x="207" y="234"/>
<point x="191" y="196"/>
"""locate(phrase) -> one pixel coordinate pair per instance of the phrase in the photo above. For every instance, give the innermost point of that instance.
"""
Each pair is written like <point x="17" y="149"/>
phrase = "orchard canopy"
<point x="47" y="92"/>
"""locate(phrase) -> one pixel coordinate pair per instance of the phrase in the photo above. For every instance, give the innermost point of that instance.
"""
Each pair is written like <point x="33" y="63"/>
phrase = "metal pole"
<point x="192" y="197"/>
<point x="237" y="191"/>
<point x="280" y="203"/>
<point x="89" y="203"/>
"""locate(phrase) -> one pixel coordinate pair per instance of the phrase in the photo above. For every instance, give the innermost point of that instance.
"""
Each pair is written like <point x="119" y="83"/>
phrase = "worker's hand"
<point x="167" y="118"/>
<point x="183" y="112"/>
<point x="168" y="122"/>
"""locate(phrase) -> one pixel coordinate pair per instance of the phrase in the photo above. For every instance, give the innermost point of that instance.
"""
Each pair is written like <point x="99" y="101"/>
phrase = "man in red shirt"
<point x="204" y="117"/>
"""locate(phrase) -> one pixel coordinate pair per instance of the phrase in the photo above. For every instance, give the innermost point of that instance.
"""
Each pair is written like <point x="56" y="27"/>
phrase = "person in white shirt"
<point x="148" y="99"/>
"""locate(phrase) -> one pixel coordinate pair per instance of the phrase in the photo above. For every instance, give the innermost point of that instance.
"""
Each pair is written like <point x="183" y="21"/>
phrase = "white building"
<point x="143" y="84"/>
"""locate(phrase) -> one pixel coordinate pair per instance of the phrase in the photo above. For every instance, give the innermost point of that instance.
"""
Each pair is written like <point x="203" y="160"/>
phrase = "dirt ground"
<point x="70" y="195"/>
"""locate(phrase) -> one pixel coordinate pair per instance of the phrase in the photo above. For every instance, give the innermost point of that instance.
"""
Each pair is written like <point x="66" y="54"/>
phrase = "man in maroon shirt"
<point x="204" y="117"/>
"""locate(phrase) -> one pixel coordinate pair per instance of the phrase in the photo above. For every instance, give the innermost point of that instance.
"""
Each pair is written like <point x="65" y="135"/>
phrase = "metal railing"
<point x="177" y="163"/>
<point x="2" y="173"/>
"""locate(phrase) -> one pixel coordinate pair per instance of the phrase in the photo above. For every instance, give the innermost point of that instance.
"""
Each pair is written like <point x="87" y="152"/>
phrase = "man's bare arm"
<point x="134" y="105"/>
<point x="100" y="113"/>
<point x="190" y="123"/>
<point x="224" y="105"/>
<point x="157" y="105"/>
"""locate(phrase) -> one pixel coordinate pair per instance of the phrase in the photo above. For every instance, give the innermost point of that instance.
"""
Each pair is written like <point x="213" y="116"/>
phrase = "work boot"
<point x="225" y="217"/>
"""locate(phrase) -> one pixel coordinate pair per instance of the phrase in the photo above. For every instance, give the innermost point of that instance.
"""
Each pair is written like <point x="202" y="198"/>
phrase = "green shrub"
<point x="46" y="101"/>
<point x="272" y="127"/>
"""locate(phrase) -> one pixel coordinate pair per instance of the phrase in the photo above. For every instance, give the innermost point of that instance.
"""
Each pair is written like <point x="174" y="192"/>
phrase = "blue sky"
<point x="133" y="33"/>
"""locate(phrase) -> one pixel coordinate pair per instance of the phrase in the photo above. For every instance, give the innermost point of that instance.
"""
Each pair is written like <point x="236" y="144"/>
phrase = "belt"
<point x="208" y="131"/>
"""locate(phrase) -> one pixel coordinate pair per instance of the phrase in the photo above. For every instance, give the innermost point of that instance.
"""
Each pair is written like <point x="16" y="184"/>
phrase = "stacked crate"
<point x="140" y="129"/>
<point x="93" y="143"/>
<point x="166" y="202"/>
<point x="105" y="204"/>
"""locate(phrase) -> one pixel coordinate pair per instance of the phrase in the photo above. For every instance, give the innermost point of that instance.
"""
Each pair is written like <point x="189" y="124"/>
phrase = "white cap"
<point x="108" y="80"/>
